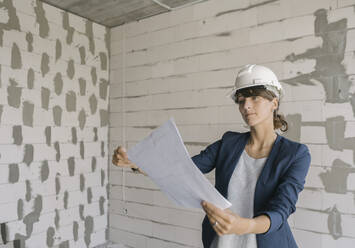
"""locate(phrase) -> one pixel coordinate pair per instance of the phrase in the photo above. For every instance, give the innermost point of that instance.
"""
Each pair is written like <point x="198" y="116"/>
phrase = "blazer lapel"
<point x="266" y="171"/>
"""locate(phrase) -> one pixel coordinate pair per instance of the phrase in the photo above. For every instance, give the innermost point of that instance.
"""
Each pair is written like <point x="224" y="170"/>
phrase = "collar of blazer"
<point x="266" y="171"/>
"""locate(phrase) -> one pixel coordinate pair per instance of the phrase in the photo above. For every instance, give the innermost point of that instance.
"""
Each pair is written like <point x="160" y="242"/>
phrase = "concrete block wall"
<point x="53" y="127"/>
<point x="182" y="64"/>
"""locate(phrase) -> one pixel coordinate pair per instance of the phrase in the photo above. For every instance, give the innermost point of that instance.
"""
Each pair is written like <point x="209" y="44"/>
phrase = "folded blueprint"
<point x="164" y="158"/>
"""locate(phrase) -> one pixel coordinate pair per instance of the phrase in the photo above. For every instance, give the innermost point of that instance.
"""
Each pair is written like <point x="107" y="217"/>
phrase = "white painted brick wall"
<point x="21" y="187"/>
<point x="181" y="64"/>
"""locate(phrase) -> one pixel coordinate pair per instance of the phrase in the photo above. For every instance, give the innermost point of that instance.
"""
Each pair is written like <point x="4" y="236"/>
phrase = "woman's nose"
<point x="247" y="103"/>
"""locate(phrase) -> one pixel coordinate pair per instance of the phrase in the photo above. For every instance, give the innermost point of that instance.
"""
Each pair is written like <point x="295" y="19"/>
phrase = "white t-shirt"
<point x="241" y="190"/>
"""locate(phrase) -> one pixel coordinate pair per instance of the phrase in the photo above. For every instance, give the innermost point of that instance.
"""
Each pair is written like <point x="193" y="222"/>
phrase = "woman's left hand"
<point x="225" y="221"/>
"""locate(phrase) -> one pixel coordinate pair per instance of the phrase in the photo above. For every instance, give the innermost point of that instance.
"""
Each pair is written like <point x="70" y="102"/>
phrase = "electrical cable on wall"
<point x="123" y="114"/>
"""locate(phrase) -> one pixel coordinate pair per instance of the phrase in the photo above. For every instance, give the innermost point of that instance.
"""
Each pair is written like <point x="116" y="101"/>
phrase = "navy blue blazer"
<point x="277" y="187"/>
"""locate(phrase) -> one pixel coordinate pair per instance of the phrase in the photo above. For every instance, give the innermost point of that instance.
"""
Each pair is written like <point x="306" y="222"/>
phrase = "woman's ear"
<point x="276" y="103"/>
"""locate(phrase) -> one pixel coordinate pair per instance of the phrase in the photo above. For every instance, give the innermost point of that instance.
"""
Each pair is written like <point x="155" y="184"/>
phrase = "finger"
<point x="119" y="156"/>
<point x="122" y="151"/>
<point x="219" y="230"/>
<point x="117" y="150"/>
<point x="215" y="211"/>
<point x="217" y="226"/>
<point x="222" y="226"/>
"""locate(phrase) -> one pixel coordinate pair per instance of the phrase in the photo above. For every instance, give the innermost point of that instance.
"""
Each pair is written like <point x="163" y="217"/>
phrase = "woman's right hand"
<point x="120" y="158"/>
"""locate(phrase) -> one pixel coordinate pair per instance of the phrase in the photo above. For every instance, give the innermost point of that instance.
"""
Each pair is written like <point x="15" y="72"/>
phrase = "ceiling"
<point x="112" y="13"/>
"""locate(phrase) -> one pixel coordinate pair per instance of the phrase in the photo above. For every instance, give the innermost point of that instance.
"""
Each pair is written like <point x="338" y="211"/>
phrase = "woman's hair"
<point x="279" y="119"/>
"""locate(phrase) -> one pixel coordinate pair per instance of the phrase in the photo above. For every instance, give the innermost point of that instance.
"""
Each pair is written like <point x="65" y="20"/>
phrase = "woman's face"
<point x="256" y="110"/>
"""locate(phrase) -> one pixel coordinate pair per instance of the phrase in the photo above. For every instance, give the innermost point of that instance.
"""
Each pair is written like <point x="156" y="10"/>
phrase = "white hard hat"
<point x="256" y="75"/>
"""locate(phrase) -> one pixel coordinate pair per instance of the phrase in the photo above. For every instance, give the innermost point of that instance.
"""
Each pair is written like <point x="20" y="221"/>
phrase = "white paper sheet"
<point x="163" y="156"/>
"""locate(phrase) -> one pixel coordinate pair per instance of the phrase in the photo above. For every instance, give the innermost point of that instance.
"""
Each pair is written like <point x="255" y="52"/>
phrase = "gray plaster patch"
<point x="64" y="244"/>
<point x="28" y="156"/>
<point x="335" y="129"/>
<point x="57" y="184"/>
<point x="1" y="37"/>
<point x="44" y="64"/>
<point x="58" y="50"/>
<point x="4" y="231"/>
<point x="17" y="135"/>
<point x="71" y="69"/>
<point x="352" y="102"/>
<point x="58" y="83"/>
<point x="14" y="94"/>
<point x="103" y="60"/>
<point x="81" y="211"/>
<point x="103" y="117"/>
<point x="50" y="236"/>
<point x="93" y="75"/>
<point x="93" y="104"/>
<point x="82" y="182"/>
<point x="0" y="77"/>
<point x="27" y="113"/>
<point x="74" y="139"/>
<point x="102" y="149"/>
<point x="82" y="119"/>
<point x="82" y="149"/>
<point x="71" y="166"/>
<point x="82" y="86"/>
<point x="89" y="228"/>
<point x="13" y="21"/>
<point x="95" y="134"/>
<point x="30" y="78"/>
<point x="103" y="89"/>
<point x="19" y="241"/>
<point x="90" y="35"/>
<point x="29" y="39"/>
<point x="48" y="134"/>
<point x="70" y="101"/>
<point x="45" y="98"/>
<point x="102" y="205"/>
<point x="16" y="60"/>
<point x="294" y="129"/>
<point x="335" y="179"/>
<point x="44" y="171"/>
<point x="103" y="175"/>
<point x="56" y="219"/>
<point x="93" y="164"/>
<point x="19" y="209"/>
<point x="66" y="26"/>
<point x="329" y="68"/>
<point x="89" y="195"/>
<point x="33" y="217"/>
<point x="28" y="190"/>
<point x="57" y="149"/>
<point x="82" y="53"/>
<point x="57" y="115"/>
<point x="41" y="19"/>
<point x="108" y="39"/>
<point x="334" y="223"/>
<point x="75" y="230"/>
<point x="66" y="198"/>
<point x="14" y="173"/>
<point x="1" y="110"/>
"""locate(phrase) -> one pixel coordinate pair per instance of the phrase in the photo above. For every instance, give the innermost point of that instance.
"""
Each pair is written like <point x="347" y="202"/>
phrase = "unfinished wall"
<point x="53" y="127"/>
<point x="182" y="63"/>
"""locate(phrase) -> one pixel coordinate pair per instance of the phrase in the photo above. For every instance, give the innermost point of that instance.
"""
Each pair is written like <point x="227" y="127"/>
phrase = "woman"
<point x="260" y="172"/>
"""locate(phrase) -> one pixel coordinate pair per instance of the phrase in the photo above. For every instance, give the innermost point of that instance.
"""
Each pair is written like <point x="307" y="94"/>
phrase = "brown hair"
<point x="279" y="119"/>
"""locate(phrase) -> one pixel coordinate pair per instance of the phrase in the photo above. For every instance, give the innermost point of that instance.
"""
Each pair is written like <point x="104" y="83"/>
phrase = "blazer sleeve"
<point x="283" y="201"/>
<point x="206" y="160"/>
